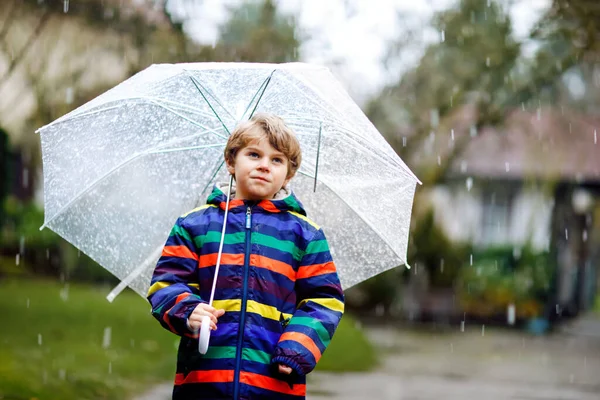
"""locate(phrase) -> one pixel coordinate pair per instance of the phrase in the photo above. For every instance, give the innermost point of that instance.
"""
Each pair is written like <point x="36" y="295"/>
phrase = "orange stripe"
<point x="273" y="265"/>
<point x="168" y="322"/>
<point x="210" y="260"/>
<point x="181" y="297"/>
<point x="232" y="203"/>
<point x="304" y="340"/>
<point x="214" y="376"/>
<point x="269" y="206"/>
<point x="179" y="251"/>
<point x="315" y="270"/>
<point x="265" y="382"/>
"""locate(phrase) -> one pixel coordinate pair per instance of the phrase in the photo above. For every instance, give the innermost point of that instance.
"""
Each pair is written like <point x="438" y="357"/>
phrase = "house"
<point x="533" y="182"/>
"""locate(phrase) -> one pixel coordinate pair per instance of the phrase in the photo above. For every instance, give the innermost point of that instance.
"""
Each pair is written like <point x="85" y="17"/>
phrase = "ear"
<point x="230" y="168"/>
<point x="287" y="180"/>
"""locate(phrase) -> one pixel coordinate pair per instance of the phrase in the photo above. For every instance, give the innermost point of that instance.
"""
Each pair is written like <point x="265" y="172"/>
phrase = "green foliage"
<point x="54" y="346"/>
<point x="381" y="290"/>
<point x="52" y="343"/>
<point x="432" y="249"/>
<point x="349" y="350"/>
<point x="258" y="32"/>
<point x="503" y="276"/>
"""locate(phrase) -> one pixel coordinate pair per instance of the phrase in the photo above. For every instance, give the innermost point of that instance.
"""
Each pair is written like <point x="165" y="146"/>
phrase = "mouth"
<point x="258" y="178"/>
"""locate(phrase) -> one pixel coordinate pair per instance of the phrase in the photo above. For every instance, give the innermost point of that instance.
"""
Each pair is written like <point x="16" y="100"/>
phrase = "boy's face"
<point x="260" y="171"/>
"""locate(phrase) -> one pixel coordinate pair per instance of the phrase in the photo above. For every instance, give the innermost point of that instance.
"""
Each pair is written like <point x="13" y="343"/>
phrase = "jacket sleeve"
<point x="320" y="308"/>
<point x="173" y="291"/>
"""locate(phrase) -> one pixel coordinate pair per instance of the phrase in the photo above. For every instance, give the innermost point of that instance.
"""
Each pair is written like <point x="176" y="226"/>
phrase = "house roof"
<point x="548" y="143"/>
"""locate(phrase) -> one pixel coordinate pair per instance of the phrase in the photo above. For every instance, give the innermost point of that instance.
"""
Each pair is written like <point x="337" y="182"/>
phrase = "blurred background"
<point x="494" y="104"/>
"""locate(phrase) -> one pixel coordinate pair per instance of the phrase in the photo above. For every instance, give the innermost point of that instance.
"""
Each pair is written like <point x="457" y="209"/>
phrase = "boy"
<point x="278" y="298"/>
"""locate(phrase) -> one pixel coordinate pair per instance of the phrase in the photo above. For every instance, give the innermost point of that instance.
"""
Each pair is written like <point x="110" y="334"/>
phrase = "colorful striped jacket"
<point x="277" y="283"/>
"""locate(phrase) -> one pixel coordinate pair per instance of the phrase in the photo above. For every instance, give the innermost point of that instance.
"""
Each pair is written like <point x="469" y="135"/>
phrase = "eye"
<point x="278" y="160"/>
<point x="253" y="154"/>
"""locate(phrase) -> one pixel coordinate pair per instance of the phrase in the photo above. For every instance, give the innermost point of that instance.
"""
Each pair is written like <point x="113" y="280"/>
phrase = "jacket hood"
<point x="284" y="200"/>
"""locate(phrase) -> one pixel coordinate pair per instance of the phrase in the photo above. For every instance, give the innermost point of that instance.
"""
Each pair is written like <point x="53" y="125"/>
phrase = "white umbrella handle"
<point x="204" y="338"/>
<point x="204" y="335"/>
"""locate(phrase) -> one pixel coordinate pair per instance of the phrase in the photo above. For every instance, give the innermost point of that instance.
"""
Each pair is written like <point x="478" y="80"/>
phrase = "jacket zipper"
<point x="238" y="356"/>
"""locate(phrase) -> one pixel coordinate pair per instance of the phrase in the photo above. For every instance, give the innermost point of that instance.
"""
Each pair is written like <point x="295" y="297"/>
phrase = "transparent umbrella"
<point x="119" y="170"/>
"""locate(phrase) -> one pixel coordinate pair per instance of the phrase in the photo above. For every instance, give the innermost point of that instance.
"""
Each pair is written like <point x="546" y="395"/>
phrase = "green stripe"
<point x="256" y="356"/>
<point x="313" y="324"/>
<point x="281" y="245"/>
<point x="215" y="237"/>
<point x="179" y="231"/>
<point x="317" y="246"/>
<point x="229" y="352"/>
<point x="220" y="352"/>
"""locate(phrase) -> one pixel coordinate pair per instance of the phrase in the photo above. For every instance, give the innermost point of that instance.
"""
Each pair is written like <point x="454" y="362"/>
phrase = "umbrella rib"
<point x="265" y="84"/>
<point x="134" y="274"/>
<point x="196" y="82"/>
<point x="213" y="176"/>
<point x="210" y="105"/>
<point x="100" y="179"/>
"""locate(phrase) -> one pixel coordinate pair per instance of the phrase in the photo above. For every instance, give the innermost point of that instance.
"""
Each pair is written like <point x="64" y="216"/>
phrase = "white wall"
<point x="459" y="211"/>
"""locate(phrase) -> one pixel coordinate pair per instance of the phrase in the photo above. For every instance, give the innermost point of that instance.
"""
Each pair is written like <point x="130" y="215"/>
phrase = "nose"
<point x="264" y="164"/>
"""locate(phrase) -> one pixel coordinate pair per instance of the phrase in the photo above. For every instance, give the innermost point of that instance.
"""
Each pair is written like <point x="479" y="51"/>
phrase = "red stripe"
<point x="268" y="205"/>
<point x="275" y="385"/>
<point x="273" y="265"/>
<point x="179" y="251"/>
<point x="214" y="376"/>
<point x="210" y="260"/>
<point x="315" y="270"/>
<point x="304" y="340"/>
<point x="232" y="203"/>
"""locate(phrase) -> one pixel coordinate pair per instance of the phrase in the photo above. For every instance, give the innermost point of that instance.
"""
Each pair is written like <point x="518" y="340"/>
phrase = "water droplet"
<point x="471" y="260"/>
<point x="539" y="114"/>
<point x="463" y="166"/>
<point x="17" y="259"/>
<point x="64" y="292"/>
<point x="27" y="302"/>
<point x="473" y="131"/>
<point x="404" y="141"/>
<point x="39" y="339"/>
<point x="507" y="166"/>
<point x="451" y="347"/>
<point x="511" y="314"/>
<point x="66" y="6"/>
<point x="452" y="134"/>
<point x="62" y="374"/>
<point x="106" y="338"/>
<point x="69" y="95"/>
<point x="439" y="160"/>
<point x="595" y="137"/>
<point x="443" y="35"/>
<point x="566" y="234"/>
<point x="487" y="61"/>
<point x="469" y="183"/>
<point x="584" y="235"/>
<point x="110" y="367"/>
<point x="462" y="326"/>
<point x="442" y="265"/>
<point x="482" y="330"/>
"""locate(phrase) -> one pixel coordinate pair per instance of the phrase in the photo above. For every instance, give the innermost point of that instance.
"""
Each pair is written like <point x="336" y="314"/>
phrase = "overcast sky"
<point x="351" y="36"/>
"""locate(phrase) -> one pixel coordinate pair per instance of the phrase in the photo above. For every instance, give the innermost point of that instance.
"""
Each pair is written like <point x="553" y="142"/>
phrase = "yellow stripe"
<point x="304" y="218"/>
<point x="194" y="285"/>
<point x="265" y="311"/>
<point x="332" y="304"/>
<point x="228" y="305"/>
<point x="157" y="286"/>
<point x="198" y="209"/>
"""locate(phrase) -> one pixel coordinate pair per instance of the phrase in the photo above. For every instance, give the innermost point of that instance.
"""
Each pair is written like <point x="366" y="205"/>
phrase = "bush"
<point x="432" y="249"/>
<point x="503" y="276"/>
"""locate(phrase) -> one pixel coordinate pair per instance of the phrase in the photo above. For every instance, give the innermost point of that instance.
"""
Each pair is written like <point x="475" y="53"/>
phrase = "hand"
<point x="284" y="369"/>
<point x="201" y="310"/>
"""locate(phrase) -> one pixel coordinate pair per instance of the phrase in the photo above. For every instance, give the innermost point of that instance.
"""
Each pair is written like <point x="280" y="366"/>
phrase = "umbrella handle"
<point x="204" y="335"/>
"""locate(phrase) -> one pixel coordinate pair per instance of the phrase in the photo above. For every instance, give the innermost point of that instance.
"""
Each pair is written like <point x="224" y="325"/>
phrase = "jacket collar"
<point x="284" y="200"/>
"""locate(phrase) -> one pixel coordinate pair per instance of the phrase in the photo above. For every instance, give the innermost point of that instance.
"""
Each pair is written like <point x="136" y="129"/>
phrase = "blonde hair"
<point x="274" y="129"/>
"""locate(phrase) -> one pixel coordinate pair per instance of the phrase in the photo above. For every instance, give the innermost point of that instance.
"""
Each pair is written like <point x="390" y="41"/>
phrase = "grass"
<point x="349" y="351"/>
<point x="66" y="341"/>
<point x="597" y="305"/>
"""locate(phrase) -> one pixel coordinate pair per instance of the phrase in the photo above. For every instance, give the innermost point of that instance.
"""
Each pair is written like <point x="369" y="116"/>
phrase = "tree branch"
<point x="36" y="33"/>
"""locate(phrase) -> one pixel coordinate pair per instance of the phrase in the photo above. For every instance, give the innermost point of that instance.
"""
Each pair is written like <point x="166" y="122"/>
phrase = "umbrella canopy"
<point x="119" y="170"/>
